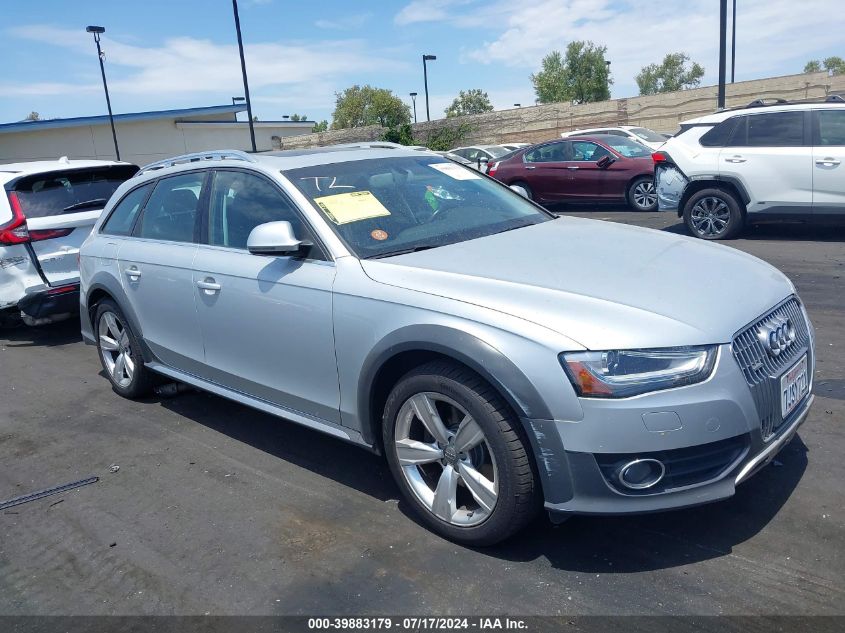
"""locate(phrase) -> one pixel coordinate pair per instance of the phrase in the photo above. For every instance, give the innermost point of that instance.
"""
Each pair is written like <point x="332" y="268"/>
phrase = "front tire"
<point x="713" y="214"/>
<point x="642" y="196"/>
<point x="455" y="450"/>
<point x="120" y="352"/>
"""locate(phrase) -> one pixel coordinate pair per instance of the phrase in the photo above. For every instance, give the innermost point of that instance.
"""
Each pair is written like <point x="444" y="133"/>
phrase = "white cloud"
<point x="428" y="11"/>
<point x="186" y="65"/>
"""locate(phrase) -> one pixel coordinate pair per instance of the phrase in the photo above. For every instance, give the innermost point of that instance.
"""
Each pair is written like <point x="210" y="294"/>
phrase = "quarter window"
<point x="718" y="135"/>
<point x="122" y="218"/>
<point x="171" y="212"/>
<point x="831" y="128"/>
<point x="241" y="201"/>
<point x="776" y="129"/>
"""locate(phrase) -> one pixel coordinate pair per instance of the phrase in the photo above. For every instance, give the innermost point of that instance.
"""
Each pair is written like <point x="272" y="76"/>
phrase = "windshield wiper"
<point x="404" y="251"/>
<point x="87" y="203"/>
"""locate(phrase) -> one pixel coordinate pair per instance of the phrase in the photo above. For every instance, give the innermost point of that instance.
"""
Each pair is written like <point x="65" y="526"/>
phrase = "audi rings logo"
<point x="777" y="335"/>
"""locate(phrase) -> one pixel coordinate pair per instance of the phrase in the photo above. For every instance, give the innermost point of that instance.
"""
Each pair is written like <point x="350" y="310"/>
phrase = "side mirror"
<point x="604" y="162"/>
<point x="273" y="238"/>
<point x="482" y="160"/>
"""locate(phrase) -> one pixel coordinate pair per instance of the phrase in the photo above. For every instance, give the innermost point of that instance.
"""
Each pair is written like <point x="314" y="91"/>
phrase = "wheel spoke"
<point x="411" y="452"/>
<point x="427" y="413"/>
<point x="129" y="363"/>
<point x="444" y="504"/>
<point x="108" y="344"/>
<point x="119" y="367"/>
<point x="482" y="489"/>
<point x="111" y="324"/>
<point x="469" y="435"/>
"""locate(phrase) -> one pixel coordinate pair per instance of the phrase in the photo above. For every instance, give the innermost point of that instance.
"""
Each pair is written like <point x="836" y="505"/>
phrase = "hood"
<point x="602" y="284"/>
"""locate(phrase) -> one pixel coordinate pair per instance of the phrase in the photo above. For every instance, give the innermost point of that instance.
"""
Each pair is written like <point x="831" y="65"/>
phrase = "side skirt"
<point x="343" y="433"/>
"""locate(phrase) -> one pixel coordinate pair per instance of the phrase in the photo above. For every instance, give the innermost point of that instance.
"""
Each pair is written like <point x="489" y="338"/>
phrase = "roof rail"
<point x="225" y="154"/>
<point x="834" y="99"/>
<point x="761" y="103"/>
<point x="766" y="103"/>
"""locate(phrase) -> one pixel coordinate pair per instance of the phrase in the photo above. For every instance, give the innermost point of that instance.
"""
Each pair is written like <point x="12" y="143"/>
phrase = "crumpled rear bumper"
<point x="17" y="275"/>
<point x="670" y="183"/>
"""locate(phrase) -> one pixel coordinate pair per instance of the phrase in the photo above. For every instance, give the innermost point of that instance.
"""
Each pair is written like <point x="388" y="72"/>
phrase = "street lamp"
<point x="427" y="58"/>
<point x="235" y="99"/>
<point x="517" y="105"/>
<point x="414" y="100"/>
<point x="97" y="30"/>
<point x="243" y="72"/>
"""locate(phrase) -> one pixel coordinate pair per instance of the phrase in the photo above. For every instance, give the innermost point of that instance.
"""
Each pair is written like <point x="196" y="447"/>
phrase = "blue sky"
<point x="182" y="53"/>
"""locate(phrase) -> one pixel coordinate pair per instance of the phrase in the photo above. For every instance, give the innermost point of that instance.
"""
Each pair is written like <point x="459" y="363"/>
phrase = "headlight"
<point x="623" y="373"/>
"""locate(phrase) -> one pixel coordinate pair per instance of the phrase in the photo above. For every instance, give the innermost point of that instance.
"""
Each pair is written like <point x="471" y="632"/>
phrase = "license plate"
<point x="794" y="385"/>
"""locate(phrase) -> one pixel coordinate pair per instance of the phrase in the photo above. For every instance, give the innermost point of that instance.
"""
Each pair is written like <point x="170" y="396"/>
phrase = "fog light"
<point x="641" y="474"/>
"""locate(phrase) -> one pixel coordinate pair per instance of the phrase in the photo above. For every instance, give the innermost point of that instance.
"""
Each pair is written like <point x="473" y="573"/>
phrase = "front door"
<point x="586" y="178"/>
<point x="829" y="162"/>
<point x="266" y="321"/>
<point x="155" y="269"/>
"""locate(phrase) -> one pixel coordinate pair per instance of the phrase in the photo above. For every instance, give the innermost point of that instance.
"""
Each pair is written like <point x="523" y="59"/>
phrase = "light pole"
<point x="243" y="72"/>
<point x="427" y="58"/>
<point x="414" y="101"/>
<point x="733" y="44"/>
<point x="97" y="30"/>
<point x="723" y="32"/>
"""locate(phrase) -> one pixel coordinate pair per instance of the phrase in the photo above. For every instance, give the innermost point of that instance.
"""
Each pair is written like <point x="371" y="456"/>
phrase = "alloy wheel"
<point x="115" y="349"/>
<point x="710" y="216"/>
<point x="445" y="459"/>
<point x="645" y="195"/>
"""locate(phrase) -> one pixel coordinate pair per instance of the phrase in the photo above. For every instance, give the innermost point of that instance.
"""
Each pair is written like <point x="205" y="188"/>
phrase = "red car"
<point x="594" y="168"/>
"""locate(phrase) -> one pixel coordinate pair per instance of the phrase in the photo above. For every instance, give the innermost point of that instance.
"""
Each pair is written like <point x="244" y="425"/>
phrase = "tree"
<point x="833" y="64"/>
<point x="33" y="116"/>
<point x="322" y="126"/>
<point x="365" y="105"/>
<point x="581" y="75"/>
<point x="672" y="75"/>
<point x="298" y="117"/>
<point x="473" y="101"/>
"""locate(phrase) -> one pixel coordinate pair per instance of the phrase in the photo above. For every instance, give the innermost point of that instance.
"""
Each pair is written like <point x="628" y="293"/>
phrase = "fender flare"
<point x="113" y="289"/>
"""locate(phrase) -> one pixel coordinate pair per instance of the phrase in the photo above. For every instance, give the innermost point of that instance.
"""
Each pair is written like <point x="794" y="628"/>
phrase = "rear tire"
<point x="528" y="193"/>
<point x="120" y="352"/>
<point x="455" y="450"/>
<point x="642" y="196"/>
<point x="713" y="214"/>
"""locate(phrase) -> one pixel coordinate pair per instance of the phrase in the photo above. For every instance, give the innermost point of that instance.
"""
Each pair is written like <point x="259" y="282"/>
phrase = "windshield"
<point x="385" y="206"/>
<point x="497" y="150"/>
<point x="626" y="147"/>
<point x="648" y="135"/>
<point x="59" y="192"/>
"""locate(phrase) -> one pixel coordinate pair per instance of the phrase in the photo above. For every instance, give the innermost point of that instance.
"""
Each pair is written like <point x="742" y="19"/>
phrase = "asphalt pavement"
<point x="219" y="509"/>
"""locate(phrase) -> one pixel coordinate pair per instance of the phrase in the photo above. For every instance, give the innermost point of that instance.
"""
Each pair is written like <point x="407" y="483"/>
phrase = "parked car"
<point x="598" y="168"/>
<point x="47" y="210"/>
<point x="500" y="358"/>
<point x="481" y="155"/>
<point x="515" y="146"/>
<point x="767" y="161"/>
<point x="642" y="135"/>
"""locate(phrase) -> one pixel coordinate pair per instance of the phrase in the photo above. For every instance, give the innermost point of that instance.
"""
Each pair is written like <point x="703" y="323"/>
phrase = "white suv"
<point x="767" y="161"/>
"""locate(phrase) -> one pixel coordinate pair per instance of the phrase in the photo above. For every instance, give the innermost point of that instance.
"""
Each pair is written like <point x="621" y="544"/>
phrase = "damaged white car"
<point x="48" y="210"/>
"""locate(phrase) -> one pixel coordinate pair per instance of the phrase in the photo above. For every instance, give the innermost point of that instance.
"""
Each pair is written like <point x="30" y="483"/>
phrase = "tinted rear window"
<point x="70" y="191"/>
<point x="776" y="129"/>
<point x="718" y="136"/>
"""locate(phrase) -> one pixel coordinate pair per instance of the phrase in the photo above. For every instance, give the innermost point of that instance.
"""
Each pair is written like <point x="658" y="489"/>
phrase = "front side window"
<point x="241" y="201"/>
<point x="584" y="151"/>
<point x="550" y="153"/>
<point x="171" y="212"/>
<point x="628" y="148"/>
<point x="70" y="191"/>
<point x="384" y="206"/>
<point x="776" y="129"/>
<point x="831" y="130"/>
<point x="122" y="218"/>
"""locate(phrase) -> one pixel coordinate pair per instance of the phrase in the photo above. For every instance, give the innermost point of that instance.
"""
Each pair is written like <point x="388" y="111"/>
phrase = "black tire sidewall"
<point x="735" y="224"/>
<point x="630" y="196"/>
<point x="141" y="381"/>
<point x="498" y="525"/>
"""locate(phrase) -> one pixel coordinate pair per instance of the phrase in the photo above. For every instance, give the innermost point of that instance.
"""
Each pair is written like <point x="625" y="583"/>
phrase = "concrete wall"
<point x="539" y="123"/>
<point x="140" y="142"/>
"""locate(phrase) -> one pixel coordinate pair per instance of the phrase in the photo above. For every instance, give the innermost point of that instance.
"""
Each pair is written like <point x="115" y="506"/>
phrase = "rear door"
<point x="829" y="162"/>
<point x="770" y="154"/>
<point x="60" y="208"/>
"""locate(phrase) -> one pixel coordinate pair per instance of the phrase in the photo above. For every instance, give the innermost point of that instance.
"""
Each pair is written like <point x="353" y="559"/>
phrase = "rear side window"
<point x="122" y="218"/>
<point x="171" y="212"/>
<point x="775" y="129"/>
<point x="553" y="152"/>
<point x="70" y="191"/>
<point x="831" y="128"/>
<point x="719" y="134"/>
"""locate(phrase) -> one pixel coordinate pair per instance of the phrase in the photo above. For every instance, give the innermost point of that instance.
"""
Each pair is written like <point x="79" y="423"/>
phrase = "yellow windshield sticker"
<point x="354" y="206"/>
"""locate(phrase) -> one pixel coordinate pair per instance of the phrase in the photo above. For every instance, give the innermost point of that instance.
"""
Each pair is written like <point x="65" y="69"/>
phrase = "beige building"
<point x="143" y="137"/>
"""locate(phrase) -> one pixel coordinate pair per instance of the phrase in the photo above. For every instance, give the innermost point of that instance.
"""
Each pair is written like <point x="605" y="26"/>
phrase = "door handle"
<point x="133" y="273"/>
<point x="573" y="167"/>
<point x="827" y="162"/>
<point x="735" y="159"/>
<point x="209" y="285"/>
<point x="530" y="167"/>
